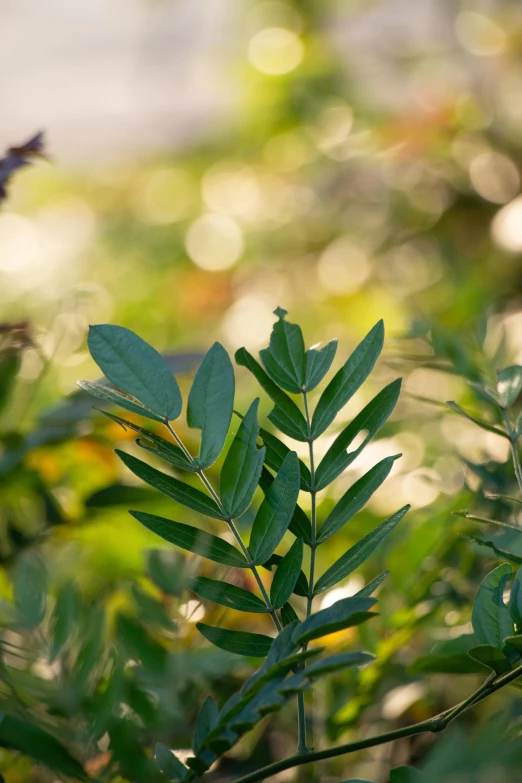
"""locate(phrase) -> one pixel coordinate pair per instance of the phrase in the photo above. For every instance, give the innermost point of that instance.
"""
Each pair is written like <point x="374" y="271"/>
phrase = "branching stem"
<point x="230" y="523"/>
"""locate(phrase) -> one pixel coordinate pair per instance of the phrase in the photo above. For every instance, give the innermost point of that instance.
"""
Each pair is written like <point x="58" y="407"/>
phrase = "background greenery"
<point x="345" y="186"/>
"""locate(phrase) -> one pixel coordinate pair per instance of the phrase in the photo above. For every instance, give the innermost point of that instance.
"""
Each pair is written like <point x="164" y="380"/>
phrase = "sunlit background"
<point x="209" y="160"/>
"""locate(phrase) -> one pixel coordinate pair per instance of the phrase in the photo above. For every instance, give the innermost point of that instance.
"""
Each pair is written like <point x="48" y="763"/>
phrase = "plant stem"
<point x="435" y="724"/>
<point x="302" y="746"/>
<point x="230" y="523"/>
<point x="513" y="445"/>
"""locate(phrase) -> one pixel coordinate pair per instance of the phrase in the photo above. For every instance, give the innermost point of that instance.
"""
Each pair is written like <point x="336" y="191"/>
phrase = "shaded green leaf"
<point x="505" y="554"/>
<point x="140" y="644"/>
<point x="211" y="402"/>
<point x="301" y="585"/>
<point x="299" y="524"/>
<point x="338" y="662"/>
<point x="228" y="595"/>
<point x="514" y="642"/>
<point x="193" y="540"/>
<point x="288" y="615"/>
<point x="509" y="384"/>
<point x="286" y="415"/>
<point x="64" y="617"/>
<point x="254" y="645"/>
<point x="168" y="763"/>
<point x="369" y="421"/>
<point x="286" y="575"/>
<point x="358" y="553"/>
<point x="30" y="589"/>
<point x="490" y="618"/>
<point x="348" y="379"/>
<point x="115" y="397"/>
<point x="479" y="422"/>
<point x="372" y="586"/>
<point x="136" y="368"/>
<point x="405" y="774"/>
<point x="276" y="511"/>
<point x="156" y="444"/>
<point x="318" y="362"/>
<point x="242" y="466"/>
<point x="490" y="656"/>
<point x="206" y="720"/>
<point x="150" y="610"/>
<point x="171" y="487"/>
<point x="284" y="359"/>
<point x="168" y="570"/>
<point x="355" y="498"/>
<point x="515" y="599"/>
<point x="342" y="614"/>
<point x="40" y="745"/>
<point x="276" y="451"/>
<point x="449" y="657"/>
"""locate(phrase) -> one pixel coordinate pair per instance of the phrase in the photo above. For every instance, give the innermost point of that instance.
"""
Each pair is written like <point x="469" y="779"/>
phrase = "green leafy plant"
<point x="259" y="459"/>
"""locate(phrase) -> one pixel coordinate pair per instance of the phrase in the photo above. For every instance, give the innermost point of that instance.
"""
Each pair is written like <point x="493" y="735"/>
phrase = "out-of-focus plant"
<point x="142" y="384"/>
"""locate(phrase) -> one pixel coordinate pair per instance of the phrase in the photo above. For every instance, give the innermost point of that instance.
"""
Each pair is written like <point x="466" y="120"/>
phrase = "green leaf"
<point x="168" y="763"/>
<point x="355" y="498"/>
<point x="515" y="599"/>
<point x="490" y="656"/>
<point x="405" y="774"/>
<point x="514" y="642"/>
<point x="288" y="615"/>
<point x="299" y="524"/>
<point x="348" y="379"/>
<point x="449" y="657"/>
<point x="276" y="511"/>
<point x="286" y="415"/>
<point x="228" y="595"/>
<point x="301" y="586"/>
<point x="490" y="618"/>
<point x="156" y="444"/>
<point x="115" y="397"/>
<point x="193" y="540"/>
<point x="318" y="363"/>
<point x="509" y="384"/>
<point x="136" y="368"/>
<point x="171" y="487"/>
<point x="38" y="744"/>
<point x="286" y="575"/>
<point x="358" y="553"/>
<point x="342" y="614"/>
<point x="242" y="466"/>
<point x="211" y="402"/>
<point x="64" y="617"/>
<point x="168" y="570"/>
<point x="335" y="663"/>
<point x="207" y="719"/>
<point x="140" y="644"/>
<point x="150" y="610"/>
<point x="488" y="521"/>
<point x="479" y="422"/>
<point x="372" y="586"/>
<point x="30" y="589"/>
<point x="284" y="360"/>
<point x="254" y="645"/>
<point x="500" y="551"/>
<point x="369" y="421"/>
<point x="276" y="451"/>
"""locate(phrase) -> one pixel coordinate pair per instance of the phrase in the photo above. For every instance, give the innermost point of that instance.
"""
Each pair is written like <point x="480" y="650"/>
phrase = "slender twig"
<point x="228" y="519"/>
<point x="435" y="724"/>
<point x="302" y="746"/>
<point x="513" y="445"/>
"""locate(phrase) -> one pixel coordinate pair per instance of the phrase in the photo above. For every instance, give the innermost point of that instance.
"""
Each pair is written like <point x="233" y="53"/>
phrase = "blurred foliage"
<point x="347" y="201"/>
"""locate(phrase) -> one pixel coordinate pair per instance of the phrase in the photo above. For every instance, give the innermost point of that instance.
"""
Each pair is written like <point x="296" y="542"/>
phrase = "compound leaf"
<point x="284" y="359"/>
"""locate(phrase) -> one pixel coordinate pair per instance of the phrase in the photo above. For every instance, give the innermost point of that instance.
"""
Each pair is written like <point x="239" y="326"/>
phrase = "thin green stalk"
<point x="513" y="445"/>
<point x="303" y="746"/>
<point x="231" y="524"/>
<point x="435" y="724"/>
